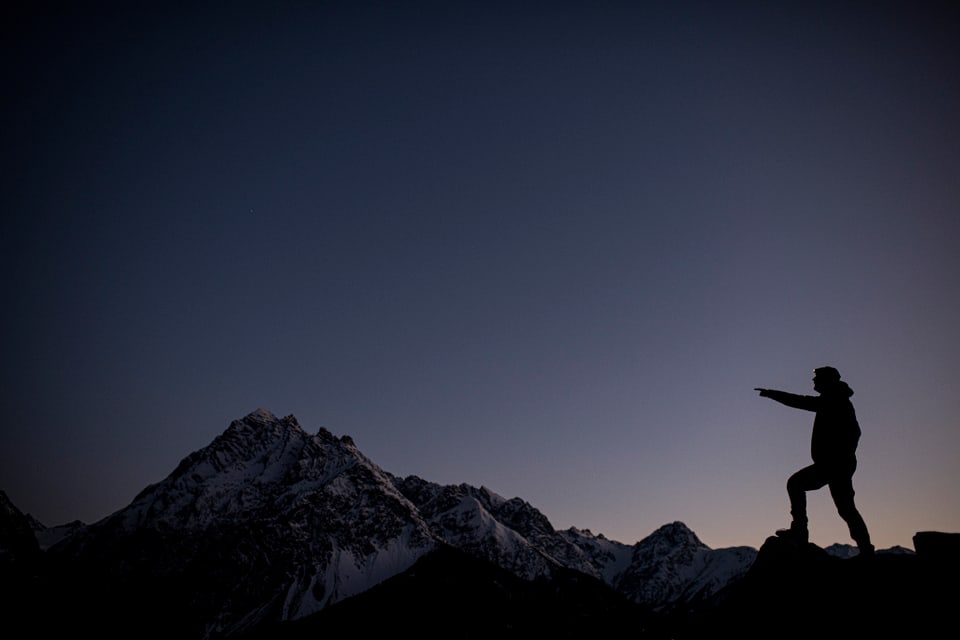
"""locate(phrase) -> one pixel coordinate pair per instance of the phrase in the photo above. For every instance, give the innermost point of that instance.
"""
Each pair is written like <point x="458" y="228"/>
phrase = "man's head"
<point x="825" y="377"/>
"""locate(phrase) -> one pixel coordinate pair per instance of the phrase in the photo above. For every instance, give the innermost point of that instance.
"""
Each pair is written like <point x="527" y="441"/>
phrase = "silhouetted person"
<point x="833" y="447"/>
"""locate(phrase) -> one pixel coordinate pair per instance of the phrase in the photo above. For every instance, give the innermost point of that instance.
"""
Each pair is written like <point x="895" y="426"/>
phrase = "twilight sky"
<point x="548" y="248"/>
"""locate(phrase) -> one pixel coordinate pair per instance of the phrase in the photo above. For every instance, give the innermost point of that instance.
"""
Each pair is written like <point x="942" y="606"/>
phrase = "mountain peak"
<point x="261" y="414"/>
<point x="262" y="417"/>
<point x="676" y="534"/>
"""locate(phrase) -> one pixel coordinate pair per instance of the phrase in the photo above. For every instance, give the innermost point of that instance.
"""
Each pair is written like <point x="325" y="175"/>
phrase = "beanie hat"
<point x="827" y="374"/>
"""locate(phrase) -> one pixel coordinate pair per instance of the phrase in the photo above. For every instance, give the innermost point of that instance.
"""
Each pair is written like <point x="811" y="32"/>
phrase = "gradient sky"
<point x="547" y="248"/>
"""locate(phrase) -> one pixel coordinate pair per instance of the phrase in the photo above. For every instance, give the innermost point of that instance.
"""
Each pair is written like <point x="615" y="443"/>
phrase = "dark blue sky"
<point x="549" y="248"/>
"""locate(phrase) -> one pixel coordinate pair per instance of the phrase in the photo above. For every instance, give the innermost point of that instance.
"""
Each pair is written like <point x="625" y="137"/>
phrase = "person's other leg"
<point x="841" y="488"/>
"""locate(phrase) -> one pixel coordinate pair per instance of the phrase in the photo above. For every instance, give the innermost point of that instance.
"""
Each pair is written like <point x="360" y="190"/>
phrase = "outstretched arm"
<point x="808" y="403"/>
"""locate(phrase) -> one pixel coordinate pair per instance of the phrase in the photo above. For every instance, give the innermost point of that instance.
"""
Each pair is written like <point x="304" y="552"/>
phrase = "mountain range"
<point x="270" y="531"/>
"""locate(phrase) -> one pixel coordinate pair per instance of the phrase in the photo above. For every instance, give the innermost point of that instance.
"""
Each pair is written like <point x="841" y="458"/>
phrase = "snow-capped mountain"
<point x="272" y="523"/>
<point x="672" y="568"/>
<point x="268" y="522"/>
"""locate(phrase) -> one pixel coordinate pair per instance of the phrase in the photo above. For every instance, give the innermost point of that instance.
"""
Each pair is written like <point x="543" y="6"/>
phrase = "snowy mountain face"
<point x="609" y="557"/>
<point x="282" y="521"/>
<point x="509" y="533"/>
<point x="270" y="523"/>
<point x="671" y="568"/>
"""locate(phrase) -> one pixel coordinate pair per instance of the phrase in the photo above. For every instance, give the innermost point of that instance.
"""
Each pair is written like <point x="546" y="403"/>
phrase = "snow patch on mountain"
<point x="610" y="558"/>
<point x="348" y="574"/>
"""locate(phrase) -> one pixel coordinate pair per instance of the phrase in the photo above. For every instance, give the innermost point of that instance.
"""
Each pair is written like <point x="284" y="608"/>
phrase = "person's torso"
<point x="836" y="432"/>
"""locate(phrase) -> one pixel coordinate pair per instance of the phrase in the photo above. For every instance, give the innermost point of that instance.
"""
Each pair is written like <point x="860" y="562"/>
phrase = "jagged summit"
<point x="260" y="463"/>
<point x="674" y="534"/>
<point x="260" y="415"/>
<point x="264" y="419"/>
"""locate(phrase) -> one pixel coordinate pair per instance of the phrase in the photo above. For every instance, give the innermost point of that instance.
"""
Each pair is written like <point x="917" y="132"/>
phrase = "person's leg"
<point x="807" y="479"/>
<point x="841" y="488"/>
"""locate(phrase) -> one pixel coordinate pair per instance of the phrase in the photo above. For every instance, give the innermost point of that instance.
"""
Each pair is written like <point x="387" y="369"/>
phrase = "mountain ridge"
<point x="269" y="524"/>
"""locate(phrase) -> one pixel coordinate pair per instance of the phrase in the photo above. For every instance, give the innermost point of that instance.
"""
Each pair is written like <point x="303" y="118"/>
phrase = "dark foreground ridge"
<point x="800" y="591"/>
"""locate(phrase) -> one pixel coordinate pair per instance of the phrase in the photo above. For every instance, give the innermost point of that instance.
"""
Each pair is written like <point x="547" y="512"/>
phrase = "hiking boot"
<point x="796" y="533"/>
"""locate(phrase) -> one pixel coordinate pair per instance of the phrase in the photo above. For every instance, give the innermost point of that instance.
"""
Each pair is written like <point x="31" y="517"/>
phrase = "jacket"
<point x="836" y="431"/>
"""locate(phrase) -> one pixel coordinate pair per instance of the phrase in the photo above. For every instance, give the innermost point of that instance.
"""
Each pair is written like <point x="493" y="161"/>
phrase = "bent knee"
<point x="795" y="483"/>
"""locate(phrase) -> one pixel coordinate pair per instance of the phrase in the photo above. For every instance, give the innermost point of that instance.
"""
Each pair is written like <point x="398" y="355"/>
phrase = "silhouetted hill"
<point x="801" y="591"/>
